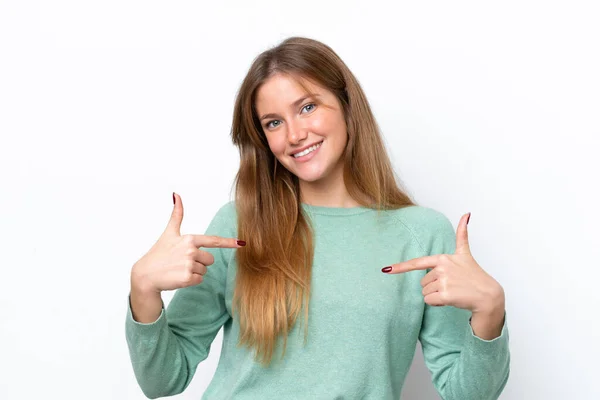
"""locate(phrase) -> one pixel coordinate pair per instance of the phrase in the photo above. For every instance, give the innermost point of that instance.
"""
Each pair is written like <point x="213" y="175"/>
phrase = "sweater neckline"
<point x="343" y="211"/>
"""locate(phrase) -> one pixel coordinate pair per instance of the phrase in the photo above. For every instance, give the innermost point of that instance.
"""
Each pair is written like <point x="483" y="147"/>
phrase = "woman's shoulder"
<point x="425" y="223"/>
<point x="225" y="218"/>
<point x="227" y="210"/>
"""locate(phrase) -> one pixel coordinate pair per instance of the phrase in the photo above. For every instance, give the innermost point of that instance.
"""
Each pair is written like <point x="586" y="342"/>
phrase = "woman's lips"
<point x="310" y="155"/>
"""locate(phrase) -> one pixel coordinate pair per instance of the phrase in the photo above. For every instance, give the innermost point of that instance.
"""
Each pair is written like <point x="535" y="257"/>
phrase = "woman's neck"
<point x="329" y="192"/>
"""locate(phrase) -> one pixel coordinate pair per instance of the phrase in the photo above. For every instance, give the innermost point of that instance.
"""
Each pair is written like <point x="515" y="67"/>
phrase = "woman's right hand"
<point x="176" y="261"/>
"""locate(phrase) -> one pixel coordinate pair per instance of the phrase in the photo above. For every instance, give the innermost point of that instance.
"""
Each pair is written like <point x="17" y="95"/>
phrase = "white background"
<point x="106" y="107"/>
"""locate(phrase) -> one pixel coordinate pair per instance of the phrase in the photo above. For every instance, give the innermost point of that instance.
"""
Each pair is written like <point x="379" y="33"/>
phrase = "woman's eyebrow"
<point x="293" y="105"/>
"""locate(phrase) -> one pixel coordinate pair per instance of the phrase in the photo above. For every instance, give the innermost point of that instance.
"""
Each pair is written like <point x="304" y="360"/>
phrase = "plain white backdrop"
<point x="106" y="107"/>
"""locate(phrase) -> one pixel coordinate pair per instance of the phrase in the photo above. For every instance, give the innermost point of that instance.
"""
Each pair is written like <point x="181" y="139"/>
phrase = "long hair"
<point x="274" y="269"/>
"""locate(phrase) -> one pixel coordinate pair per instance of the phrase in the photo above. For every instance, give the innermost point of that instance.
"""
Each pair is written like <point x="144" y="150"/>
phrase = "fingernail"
<point x="468" y="218"/>
<point x="241" y="243"/>
<point x="173" y="197"/>
<point x="386" y="269"/>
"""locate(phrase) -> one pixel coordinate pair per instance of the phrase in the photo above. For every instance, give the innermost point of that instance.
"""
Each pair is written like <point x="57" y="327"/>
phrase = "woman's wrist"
<point x="146" y="303"/>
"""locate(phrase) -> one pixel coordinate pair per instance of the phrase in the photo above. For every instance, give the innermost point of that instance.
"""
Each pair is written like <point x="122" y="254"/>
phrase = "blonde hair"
<point x="274" y="269"/>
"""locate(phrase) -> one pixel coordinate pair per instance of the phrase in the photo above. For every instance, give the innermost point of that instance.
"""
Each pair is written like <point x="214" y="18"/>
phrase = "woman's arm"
<point x="165" y="352"/>
<point x="467" y="353"/>
<point x="465" y="344"/>
<point x="463" y="366"/>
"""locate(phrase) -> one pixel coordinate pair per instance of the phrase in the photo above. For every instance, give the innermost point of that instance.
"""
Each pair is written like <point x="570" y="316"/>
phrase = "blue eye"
<point x="268" y="124"/>
<point x="310" y="104"/>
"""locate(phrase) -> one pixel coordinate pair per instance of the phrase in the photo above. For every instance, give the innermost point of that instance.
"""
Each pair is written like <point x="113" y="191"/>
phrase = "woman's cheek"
<point x="317" y="124"/>
<point x="274" y="143"/>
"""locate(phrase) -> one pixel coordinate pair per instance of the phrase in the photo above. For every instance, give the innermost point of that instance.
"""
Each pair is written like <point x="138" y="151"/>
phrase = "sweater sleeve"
<point x="463" y="366"/>
<point x="165" y="353"/>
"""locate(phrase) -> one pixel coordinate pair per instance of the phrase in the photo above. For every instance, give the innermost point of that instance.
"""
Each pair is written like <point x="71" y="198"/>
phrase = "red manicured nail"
<point x="468" y="218"/>
<point x="241" y="243"/>
<point x="173" y="197"/>
<point x="386" y="269"/>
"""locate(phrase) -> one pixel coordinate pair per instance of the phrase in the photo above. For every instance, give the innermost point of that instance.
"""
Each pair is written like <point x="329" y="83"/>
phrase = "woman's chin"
<point x="308" y="173"/>
<point x="310" y="178"/>
<point x="311" y="173"/>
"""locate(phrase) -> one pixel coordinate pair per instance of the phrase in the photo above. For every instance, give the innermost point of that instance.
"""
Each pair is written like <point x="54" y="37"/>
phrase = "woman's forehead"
<point x="284" y="89"/>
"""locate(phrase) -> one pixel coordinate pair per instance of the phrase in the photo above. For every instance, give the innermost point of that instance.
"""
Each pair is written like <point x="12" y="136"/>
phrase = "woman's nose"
<point x="296" y="132"/>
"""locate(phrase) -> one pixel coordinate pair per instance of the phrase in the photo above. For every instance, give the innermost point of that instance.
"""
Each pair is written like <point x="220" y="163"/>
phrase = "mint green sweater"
<point x="363" y="324"/>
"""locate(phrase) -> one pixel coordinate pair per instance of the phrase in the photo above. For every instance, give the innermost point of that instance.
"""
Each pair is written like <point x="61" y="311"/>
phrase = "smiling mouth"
<point x="308" y="151"/>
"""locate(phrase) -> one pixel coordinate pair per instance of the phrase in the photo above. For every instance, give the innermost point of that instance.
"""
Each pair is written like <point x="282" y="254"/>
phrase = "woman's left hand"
<point x="456" y="279"/>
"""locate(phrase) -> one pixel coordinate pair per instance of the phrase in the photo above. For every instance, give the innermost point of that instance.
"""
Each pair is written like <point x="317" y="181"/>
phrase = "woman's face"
<point x="292" y="122"/>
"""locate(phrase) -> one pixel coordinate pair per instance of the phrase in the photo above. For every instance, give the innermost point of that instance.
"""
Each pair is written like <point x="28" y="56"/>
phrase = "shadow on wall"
<point x="418" y="385"/>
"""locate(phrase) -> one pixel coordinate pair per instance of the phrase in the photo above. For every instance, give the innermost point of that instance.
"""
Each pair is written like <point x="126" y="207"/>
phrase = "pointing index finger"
<point x="217" y="241"/>
<point x="412" y="265"/>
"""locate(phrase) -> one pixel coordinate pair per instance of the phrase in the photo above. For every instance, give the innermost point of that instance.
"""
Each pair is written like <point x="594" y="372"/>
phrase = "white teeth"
<point x="305" y="152"/>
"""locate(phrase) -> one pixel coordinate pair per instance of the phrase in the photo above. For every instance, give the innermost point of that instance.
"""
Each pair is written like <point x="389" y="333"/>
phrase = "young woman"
<point x="339" y="272"/>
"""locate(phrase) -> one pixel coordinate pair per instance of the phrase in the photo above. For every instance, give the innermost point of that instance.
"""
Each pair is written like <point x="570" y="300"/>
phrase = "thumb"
<point x="174" y="226"/>
<point x="462" y="236"/>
